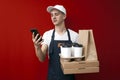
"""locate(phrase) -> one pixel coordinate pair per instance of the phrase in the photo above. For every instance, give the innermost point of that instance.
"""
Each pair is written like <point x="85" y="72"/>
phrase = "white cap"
<point x="58" y="7"/>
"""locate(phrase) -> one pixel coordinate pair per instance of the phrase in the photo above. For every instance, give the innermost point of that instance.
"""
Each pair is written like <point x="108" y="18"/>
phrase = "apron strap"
<point x="69" y="35"/>
<point x="53" y="35"/>
<point x="51" y="43"/>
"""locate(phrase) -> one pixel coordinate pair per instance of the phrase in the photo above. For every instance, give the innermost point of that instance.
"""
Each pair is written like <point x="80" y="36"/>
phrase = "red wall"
<point x="17" y="56"/>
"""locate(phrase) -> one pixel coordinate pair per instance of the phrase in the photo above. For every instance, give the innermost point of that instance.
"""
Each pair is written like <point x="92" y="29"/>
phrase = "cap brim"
<point x="49" y="8"/>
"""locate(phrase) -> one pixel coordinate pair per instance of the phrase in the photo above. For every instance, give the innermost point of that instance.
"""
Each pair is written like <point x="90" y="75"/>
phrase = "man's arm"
<point x="39" y="50"/>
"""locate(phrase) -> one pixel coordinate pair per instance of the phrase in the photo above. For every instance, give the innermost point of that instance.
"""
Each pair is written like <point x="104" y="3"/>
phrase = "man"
<point x="60" y="34"/>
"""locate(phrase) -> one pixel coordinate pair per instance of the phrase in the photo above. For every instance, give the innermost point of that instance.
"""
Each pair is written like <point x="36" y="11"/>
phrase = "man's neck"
<point x="60" y="29"/>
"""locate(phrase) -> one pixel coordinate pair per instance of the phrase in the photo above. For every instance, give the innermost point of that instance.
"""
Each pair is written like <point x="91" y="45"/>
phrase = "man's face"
<point x="57" y="17"/>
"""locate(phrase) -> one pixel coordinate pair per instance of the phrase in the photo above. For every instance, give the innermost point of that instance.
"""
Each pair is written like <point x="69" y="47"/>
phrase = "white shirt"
<point x="47" y="36"/>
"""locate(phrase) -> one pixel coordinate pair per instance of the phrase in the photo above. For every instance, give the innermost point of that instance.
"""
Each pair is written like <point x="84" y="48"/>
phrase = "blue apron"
<point x="54" y="69"/>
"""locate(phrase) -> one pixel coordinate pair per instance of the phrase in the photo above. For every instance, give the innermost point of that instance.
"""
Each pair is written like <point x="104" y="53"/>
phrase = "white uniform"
<point x="47" y="36"/>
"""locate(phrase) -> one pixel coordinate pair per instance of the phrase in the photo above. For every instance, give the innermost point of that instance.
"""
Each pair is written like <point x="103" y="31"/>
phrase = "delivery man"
<point x="51" y="39"/>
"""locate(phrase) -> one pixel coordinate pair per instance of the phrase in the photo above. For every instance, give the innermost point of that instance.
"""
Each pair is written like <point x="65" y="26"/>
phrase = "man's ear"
<point x="64" y="17"/>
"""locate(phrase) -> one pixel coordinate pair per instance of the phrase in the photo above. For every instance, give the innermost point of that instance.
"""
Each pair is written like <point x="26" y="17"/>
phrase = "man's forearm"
<point x="40" y="54"/>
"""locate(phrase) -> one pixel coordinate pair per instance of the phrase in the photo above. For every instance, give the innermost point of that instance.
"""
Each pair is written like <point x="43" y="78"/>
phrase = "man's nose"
<point x="54" y="17"/>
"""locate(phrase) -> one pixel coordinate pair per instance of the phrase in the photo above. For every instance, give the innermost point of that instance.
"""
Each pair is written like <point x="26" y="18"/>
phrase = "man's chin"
<point x="55" y="24"/>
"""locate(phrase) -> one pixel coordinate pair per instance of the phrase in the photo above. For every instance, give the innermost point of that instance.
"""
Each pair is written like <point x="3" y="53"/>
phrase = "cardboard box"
<point x="81" y="70"/>
<point x="80" y="67"/>
<point x="79" y="64"/>
<point x="90" y="64"/>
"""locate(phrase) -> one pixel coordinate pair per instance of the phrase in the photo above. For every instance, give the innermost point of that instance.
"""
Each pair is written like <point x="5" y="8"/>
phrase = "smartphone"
<point x="35" y="33"/>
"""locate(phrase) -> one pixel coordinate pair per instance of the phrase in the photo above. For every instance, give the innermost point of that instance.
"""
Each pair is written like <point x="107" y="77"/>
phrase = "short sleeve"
<point x="74" y="36"/>
<point x="47" y="37"/>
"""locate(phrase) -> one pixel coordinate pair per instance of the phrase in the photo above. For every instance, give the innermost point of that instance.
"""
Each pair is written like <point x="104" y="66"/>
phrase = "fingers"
<point x="36" y="40"/>
<point x="39" y="40"/>
<point x="36" y="37"/>
<point x="33" y="35"/>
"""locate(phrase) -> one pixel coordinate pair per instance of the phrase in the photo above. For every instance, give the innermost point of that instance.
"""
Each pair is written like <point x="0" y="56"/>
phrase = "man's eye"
<point x="51" y="15"/>
<point x="56" y="14"/>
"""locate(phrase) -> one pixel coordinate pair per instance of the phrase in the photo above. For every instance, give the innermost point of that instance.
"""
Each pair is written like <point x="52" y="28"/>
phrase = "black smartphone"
<point x="35" y="33"/>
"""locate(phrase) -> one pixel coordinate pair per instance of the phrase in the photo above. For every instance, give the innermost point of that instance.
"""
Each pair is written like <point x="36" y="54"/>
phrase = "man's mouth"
<point x="54" y="20"/>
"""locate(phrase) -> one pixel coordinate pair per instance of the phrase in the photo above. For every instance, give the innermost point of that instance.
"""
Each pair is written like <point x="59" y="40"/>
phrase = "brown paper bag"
<point x="87" y="39"/>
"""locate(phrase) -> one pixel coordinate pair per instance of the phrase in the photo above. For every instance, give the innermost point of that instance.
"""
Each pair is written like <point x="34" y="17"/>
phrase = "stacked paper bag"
<point x="90" y="62"/>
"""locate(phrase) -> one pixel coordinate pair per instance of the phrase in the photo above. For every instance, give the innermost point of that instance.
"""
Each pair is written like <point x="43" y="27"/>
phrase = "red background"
<point x="17" y="56"/>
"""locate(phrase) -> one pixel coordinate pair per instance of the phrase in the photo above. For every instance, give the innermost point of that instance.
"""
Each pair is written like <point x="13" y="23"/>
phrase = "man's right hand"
<point x="36" y="41"/>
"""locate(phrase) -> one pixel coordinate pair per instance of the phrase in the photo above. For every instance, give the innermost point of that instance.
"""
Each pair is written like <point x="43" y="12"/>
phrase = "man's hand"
<point x="36" y="41"/>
